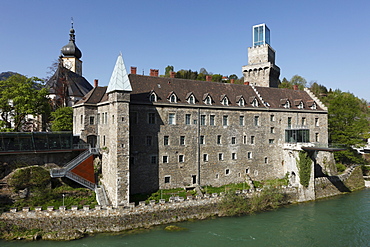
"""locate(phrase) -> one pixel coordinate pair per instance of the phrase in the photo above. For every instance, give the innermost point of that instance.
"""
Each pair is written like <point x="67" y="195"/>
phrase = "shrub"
<point x="304" y="167"/>
<point x="340" y="167"/>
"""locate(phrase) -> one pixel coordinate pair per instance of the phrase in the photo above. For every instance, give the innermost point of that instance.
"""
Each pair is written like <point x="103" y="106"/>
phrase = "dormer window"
<point x="254" y="103"/>
<point x="153" y="97"/>
<point x="225" y="100"/>
<point x="301" y="105"/>
<point x="172" y="97"/>
<point x="287" y="104"/>
<point x="190" y="98"/>
<point x="240" y="101"/>
<point x="207" y="99"/>
<point x="314" y="106"/>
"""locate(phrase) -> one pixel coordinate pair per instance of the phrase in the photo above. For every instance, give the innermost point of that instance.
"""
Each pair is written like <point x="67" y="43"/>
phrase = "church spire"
<point x="71" y="50"/>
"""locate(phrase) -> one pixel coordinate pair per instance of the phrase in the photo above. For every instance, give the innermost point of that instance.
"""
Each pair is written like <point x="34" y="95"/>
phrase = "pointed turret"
<point x="119" y="80"/>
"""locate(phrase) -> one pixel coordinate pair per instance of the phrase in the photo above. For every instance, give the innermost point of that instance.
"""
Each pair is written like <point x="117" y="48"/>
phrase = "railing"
<point x="80" y="180"/>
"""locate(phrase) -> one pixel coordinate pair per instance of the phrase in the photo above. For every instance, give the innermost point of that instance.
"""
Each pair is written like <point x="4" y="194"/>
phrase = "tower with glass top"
<point x="261" y="69"/>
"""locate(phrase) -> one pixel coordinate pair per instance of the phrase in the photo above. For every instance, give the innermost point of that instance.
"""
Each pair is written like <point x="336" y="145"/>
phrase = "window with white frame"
<point x="153" y="97"/>
<point x="233" y="140"/>
<point x="314" y="106"/>
<point x="256" y="120"/>
<point x="255" y="103"/>
<point x="171" y="118"/>
<point x="181" y="158"/>
<point x="241" y="102"/>
<point x="212" y="120"/>
<point x="225" y="101"/>
<point x="167" y="179"/>
<point x="187" y="119"/>
<point x="225" y="120"/>
<point x="301" y="105"/>
<point x="202" y="119"/>
<point x="241" y="120"/>
<point x="220" y="156"/>
<point x="233" y="156"/>
<point x="191" y="99"/>
<point x="182" y="140"/>
<point x="165" y="159"/>
<point x="208" y="100"/>
<point x="202" y="140"/>
<point x="173" y="98"/>
<point x="317" y="122"/>
<point x="205" y="157"/>
<point x="249" y="155"/>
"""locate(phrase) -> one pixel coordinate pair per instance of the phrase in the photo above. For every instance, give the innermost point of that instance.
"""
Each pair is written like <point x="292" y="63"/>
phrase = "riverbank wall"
<point x="88" y="220"/>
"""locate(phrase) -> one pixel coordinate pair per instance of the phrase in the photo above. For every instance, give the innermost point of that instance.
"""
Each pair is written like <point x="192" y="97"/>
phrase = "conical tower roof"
<point x="119" y="80"/>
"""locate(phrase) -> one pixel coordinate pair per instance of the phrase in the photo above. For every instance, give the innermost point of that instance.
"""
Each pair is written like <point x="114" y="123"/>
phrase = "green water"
<point x="338" y="221"/>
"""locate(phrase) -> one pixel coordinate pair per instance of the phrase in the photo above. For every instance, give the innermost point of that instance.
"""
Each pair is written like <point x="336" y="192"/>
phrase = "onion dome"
<point x="71" y="50"/>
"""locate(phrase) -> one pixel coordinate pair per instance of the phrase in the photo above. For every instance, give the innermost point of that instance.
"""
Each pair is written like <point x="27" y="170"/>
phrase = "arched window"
<point x="225" y="101"/>
<point x="153" y="97"/>
<point x="255" y="103"/>
<point x="241" y="102"/>
<point x="208" y="100"/>
<point x="173" y="98"/>
<point x="191" y="99"/>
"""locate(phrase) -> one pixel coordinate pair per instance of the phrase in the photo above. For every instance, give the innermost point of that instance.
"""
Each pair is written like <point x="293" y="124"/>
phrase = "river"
<point x="338" y="221"/>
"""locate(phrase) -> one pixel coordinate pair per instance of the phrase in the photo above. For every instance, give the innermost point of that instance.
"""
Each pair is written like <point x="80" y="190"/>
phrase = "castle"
<point x="165" y="132"/>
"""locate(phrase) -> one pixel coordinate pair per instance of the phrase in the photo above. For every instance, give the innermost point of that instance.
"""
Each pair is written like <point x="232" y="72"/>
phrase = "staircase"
<point x="65" y="171"/>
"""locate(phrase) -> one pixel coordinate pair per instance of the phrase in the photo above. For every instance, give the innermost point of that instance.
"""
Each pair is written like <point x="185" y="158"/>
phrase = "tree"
<point x="348" y="124"/>
<point x="295" y="80"/>
<point x="62" y="119"/>
<point x="168" y="69"/>
<point x="20" y="97"/>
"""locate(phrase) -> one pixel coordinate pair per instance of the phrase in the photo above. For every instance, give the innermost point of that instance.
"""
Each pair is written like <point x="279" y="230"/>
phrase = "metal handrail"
<point x="80" y="180"/>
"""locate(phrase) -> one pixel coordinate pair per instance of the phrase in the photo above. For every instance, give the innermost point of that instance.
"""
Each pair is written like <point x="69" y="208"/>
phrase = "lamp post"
<point x="63" y="198"/>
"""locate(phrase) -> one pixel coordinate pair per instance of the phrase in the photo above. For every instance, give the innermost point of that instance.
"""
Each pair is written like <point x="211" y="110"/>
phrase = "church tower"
<point x="71" y="54"/>
<point x="261" y="69"/>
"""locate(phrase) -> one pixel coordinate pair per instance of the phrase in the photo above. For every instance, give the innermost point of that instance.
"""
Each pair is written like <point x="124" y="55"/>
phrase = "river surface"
<point x="338" y="221"/>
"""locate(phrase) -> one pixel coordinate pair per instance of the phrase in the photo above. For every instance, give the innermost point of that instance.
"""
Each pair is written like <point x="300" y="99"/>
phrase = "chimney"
<point x="133" y="70"/>
<point x="96" y="83"/>
<point x="246" y="83"/>
<point x="156" y="72"/>
<point x="232" y="81"/>
<point x="295" y="87"/>
<point x="151" y="72"/>
<point x="172" y="74"/>
<point x="208" y="78"/>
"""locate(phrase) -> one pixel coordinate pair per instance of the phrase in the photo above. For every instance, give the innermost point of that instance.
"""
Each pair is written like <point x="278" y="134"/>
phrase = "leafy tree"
<point x="285" y="84"/>
<point x="203" y="71"/>
<point x="168" y="69"/>
<point x="217" y="77"/>
<point x="318" y="89"/>
<point x="233" y="76"/>
<point x="62" y="119"/>
<point x="348" y="124"/>
<point x="20" y="97"/>
<point x="295" y="80"/>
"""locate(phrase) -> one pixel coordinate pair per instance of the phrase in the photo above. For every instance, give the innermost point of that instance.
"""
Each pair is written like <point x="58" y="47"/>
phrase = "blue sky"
<point x="324" y="41"/>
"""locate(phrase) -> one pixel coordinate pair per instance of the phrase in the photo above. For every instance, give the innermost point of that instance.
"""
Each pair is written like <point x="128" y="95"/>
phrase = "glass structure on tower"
<point x="261" y="35"/>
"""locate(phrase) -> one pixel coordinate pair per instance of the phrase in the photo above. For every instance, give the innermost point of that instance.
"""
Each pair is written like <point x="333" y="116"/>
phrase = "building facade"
<point x="164" y="132"/>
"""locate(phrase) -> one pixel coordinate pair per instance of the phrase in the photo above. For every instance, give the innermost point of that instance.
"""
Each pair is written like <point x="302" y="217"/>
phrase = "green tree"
<point x="62" y="119"/>
<point x="217" y="77"/>
<point x="295" y="80"/>
<point x="20" y="97"/>
<point x="168" y="69"/>
<point x="348" y="124"/>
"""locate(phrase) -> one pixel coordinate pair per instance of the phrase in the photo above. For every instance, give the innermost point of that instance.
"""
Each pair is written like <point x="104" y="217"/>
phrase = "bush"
<point x="340" y="167"/>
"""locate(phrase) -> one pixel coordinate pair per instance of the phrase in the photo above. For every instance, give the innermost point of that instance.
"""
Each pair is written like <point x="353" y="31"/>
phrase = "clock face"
<point x="68" y="64"/>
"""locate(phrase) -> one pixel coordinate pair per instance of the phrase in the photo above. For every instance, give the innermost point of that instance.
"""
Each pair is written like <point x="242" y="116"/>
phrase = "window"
<point x="252" y="140"/>
<point x="316" y="137"/>
<point x="247" y="171"/>
<point x="191" y="99"/>
<point x="266" y="160"/>
<point x="97" y="119"/>
<point x="256" y="120"/>
<point x="317" y="122"/>
<point x="225" y="101"/>
<point x="181" y="158"/>
<point x="171" y="118"/>
<point x="224" y="120"/>
<point x="255" y="103"/>
<point x="241" y="102"/>
<point x="297" y="135"/>
<point x="233" y="140"/>
<point x="165" y="159"/>
<point x="314" y="107"/>
<point x="272" y="130"/>
<point x="103" y="140"/>
<point x="133" y="117"/>
<point x="201" y="140"/>
<point x="205" y="157"/>
<point x="182" y="140"/>
<point x="173" y="98"/>
<point x="167" y="179"/>
<point x="244" y="139"/>
<point x="287" y="104"/>
<point x="92" y="120"/>
<point x="271" y="141"/>
<point x="301" y="105"/>
<point x="304" y="121"/>
<point x="166" y="140"/>
<point x="212" y="120"/>
<point x="219" y="139"/>
<point x="208" y="100"/>
<point x="227" y="171"/>
<point x="220" y="156"/>
<point x="148" y="140"/>
<point x="151" y="118"/>
<point x="82" y="119"/>
<point x="153" y="159"/>
<point x="289" y="122"/>
<point x="217" y="176"/>
<point x="112" y="118"/>
<point x="241" y="120"/>
<point x="187" y="119"/>
<point x="233" y="156"/>
<point x="249" y="155"/>
<point x="272" y="118"/>
<point x="153" y="97"/>
<point x="202" y="119"/>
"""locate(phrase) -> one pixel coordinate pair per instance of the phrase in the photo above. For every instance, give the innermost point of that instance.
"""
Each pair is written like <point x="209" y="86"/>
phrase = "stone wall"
<point x="350" y="180"/>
